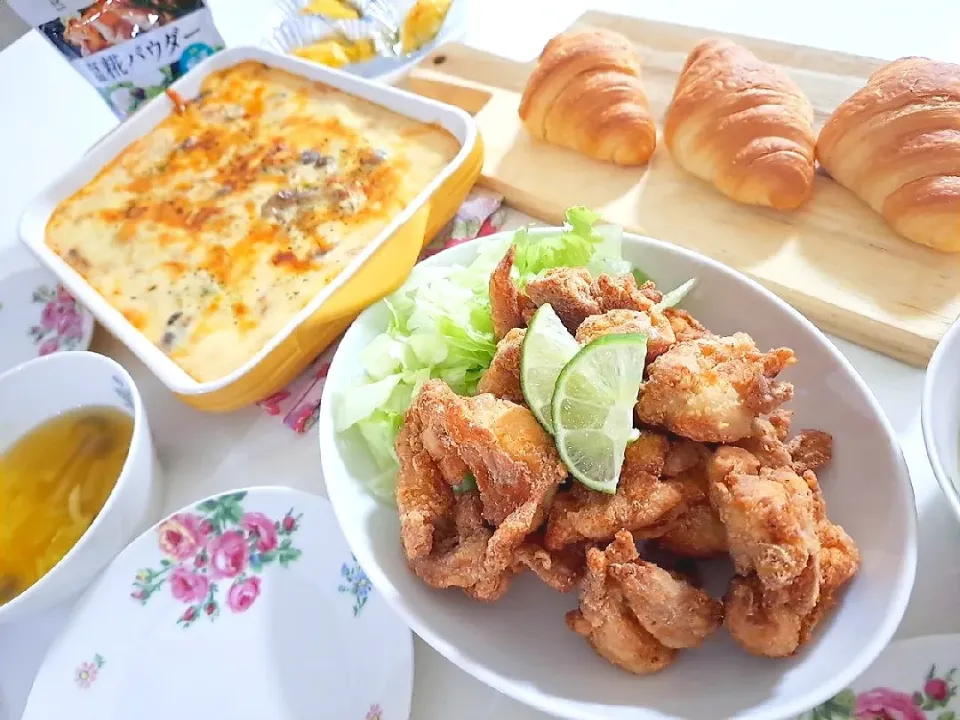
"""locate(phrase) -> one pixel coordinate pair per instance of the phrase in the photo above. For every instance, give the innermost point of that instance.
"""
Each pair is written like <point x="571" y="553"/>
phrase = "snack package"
<point x="130" y="50"/>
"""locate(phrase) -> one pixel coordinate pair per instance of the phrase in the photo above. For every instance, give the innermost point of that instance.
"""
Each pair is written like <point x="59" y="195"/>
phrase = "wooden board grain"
<point x="835" y="259"/>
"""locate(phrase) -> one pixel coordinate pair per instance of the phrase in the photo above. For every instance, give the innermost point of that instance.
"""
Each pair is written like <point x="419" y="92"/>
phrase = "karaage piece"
<point x="775" y="629"/>
<point x="560" y="569"/>
<point x="712" y="389"/>
<point x="619" y="322"/>
<point x="697" y="531"/>
<point x="606" y="621"/>
<point x="757" y="626"/>
<point x="668" y="607"/>
<point x="810" y="449"/>
<point x="460" y="554"/>
<point x="509" y="307"/>
<point x="684" y="325"/>
<point x="424" y="498"/>
<point x="513" y="460"/>
<point x="765" y="443"/>
<point x="839" y="562"/>
<point x="569" y="292"/>
<point x="502" y="378"/>
<point x="621" y="292"/>
<point x="769" y="515"/>
<point x="642" y="504"/>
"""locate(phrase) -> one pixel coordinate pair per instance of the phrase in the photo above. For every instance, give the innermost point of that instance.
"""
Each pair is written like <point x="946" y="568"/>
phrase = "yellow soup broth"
<point x="53" y="483"/>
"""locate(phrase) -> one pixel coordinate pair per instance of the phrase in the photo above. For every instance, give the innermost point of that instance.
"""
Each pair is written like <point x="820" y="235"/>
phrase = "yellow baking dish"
<point x="378" y="269"/>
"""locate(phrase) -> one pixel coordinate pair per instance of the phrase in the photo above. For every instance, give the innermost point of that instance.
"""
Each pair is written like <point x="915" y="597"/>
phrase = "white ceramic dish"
<point x="245" y="605"/>
<point x="913" y="679"/>
<point x="39" y="317"/>
<point x="940" y="415"/>
<point x="521" y="646"/>
<point x="41" y="389"/>
<point x="34" y="221"/>
<point x="295" y="30"/>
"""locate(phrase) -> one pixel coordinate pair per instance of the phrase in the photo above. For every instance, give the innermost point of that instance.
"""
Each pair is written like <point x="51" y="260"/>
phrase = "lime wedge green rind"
<point x="592" y="408"/>
<point x="547" y="347"/>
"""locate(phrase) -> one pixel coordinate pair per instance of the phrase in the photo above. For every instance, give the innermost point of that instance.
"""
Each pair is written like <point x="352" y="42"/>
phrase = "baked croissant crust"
<point x="586" y="94"/>
<point x="896" y="144"/>
<point x="743" y="125"/>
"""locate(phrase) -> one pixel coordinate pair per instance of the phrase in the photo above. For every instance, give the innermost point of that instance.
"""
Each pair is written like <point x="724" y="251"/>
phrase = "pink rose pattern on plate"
<point x="86" y="672"/>
<point x="374" y="713"/>
<point x="61" y="321"/>
<point x="217" y="545"/>
<point x="931" y="702"/>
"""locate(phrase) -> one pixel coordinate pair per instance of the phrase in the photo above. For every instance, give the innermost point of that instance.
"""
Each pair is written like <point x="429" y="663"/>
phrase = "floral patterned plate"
<point x="245" y="605"/>
<point x="39" y="317"/>
<point x="914" y="679"/>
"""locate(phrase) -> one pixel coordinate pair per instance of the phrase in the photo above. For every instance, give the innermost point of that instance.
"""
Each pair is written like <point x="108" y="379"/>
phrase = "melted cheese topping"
<point x="211" y="232"/>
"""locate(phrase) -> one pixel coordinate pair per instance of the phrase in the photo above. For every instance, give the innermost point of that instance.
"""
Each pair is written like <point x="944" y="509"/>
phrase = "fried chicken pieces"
<point x="482" y="494"/>
<point x="637" y="615"/>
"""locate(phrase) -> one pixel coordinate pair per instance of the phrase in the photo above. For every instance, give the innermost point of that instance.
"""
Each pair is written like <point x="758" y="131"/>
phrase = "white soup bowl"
<point x="41" y="389"/>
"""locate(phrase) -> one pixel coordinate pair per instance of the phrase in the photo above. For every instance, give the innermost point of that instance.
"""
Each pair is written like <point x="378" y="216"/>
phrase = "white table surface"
<point x="49" y="117"/>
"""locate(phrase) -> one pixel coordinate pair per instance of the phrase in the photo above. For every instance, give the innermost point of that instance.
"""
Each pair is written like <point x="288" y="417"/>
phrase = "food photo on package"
<point x="129" y="50"/>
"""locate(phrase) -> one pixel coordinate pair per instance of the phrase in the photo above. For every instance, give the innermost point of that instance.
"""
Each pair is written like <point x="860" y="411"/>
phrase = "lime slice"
<point x="547" y="347"/>
<point x="592" y="408"/>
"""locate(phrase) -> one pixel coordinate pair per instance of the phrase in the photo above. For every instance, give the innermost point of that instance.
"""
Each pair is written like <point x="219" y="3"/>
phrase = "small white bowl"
<point x="39" y="317"/>
<point x="42" y="389"/>
<point x="520" y="644"/>
<point x="940" y="415"/>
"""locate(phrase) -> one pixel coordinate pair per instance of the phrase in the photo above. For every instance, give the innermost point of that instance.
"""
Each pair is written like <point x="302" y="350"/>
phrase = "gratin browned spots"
<point x="239" y="208"/>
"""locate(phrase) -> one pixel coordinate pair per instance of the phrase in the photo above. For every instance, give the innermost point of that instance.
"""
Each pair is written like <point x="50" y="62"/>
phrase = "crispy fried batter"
<point x="424" y="498"/>
<point x="759" y="628"/>
<point x="766" y="444"/>
<point x="460" y="557"/>
<point x="605" y="619"/>
<point x="560" y="569"/>
<point x="697" y="532"/>
<point x="617" y="322"/>
<point x="712" y="389"/>
<point x="509" y="307"/>
<point x="568" y="290"/>
<point x="810" y="449"/>
<point x="776" y="629"/>
<point x="502" y="378"/>
<point x="643" y="504"/>
<point x="514" y="462"/>
<point x="684" y="325"/>
<point x="769" y="516"/>
<point x="675" y="612"/>
<point x="621" y="292"/>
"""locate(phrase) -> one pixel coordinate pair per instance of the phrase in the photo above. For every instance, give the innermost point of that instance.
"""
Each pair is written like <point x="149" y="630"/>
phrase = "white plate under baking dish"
<point x="34" y="221"/>
<point x="244" y="606"/>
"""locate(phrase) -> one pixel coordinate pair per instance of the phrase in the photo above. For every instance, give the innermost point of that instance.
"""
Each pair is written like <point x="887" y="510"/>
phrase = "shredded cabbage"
<point x="440" y="327"/>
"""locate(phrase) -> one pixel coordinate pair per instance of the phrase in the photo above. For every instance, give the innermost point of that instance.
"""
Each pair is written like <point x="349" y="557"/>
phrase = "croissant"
<point x="896" y="144"/>
<point x="742" y="125"/>
<point x="586" y="94"/>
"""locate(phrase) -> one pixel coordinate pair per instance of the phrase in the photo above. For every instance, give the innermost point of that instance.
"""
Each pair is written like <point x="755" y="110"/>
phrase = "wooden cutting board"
<point x="835" y="259"/>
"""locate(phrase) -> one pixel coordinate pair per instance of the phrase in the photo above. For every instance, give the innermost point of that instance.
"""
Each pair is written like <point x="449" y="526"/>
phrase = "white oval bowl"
<point x="521" y="646"/>
<point x="940" y="415"/>
<point x="43" y="388"/>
